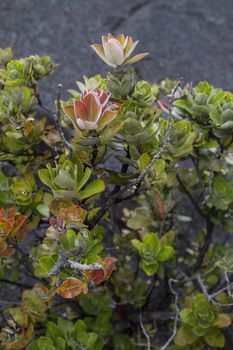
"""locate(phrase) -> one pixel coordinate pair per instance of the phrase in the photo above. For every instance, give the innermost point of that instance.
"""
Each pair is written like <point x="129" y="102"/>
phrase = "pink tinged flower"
<point x="93" y="111"/>
<point x="58" y="225"/>
<point x="116" y="51"/>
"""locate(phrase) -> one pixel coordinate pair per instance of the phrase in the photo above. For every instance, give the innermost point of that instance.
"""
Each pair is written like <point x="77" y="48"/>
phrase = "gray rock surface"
<point x="189" y="38"/>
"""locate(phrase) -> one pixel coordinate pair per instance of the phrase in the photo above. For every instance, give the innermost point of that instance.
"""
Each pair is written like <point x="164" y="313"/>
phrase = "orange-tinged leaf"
<point x="3" y="245"/>
<point x="67" y="211"/>
<point x="224" y="320"/>
<point x="26" y="336"/>
<point x="72" y="213"/>
<point x="98" y="276"/>
<point x="71" y="287"/>
<point x="10" y="221"/>
<point x="7" y="253"/>
<point x="107" y="117"/>
<point x="69" y="110"/>
<point x="81" y="110"/>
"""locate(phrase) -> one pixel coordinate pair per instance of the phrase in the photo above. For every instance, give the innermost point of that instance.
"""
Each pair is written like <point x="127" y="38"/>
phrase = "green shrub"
<point x="109" y="208"/>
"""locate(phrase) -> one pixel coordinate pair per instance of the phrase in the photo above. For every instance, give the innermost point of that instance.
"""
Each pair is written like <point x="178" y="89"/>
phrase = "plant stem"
<point x="204" y="248"/>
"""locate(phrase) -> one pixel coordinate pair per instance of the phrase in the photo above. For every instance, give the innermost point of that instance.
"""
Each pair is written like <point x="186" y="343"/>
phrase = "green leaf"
<point x="44" y="265"/>
<point x="60" y="343"/>
<point x="92" y="188"/>
<point x="68" y="240"/>
<point x="165" y="253"/>
<point x="32" y="345"/>
<point x="187" y="315"/>
<point x="159" y="167"/>
<point x="81" y="182"/>
<point x="136" y="243"/>
<point x="64" y="180"/>
<point x="143" y="161"/>
<point x="150" y="246"/>
<point x="53" y="331"/>
<point x="149" y="269"/>
<point x="167" y="238"/>
<point x="215" y="338"/>
<point x="185" y="336"/>
<point x="45" y="177"/>
<point x="45" y="343"/>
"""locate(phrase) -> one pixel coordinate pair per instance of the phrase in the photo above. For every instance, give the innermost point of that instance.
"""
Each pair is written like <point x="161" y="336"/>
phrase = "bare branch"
<point x="64" y="262"/>
<point x="229" y="285"/>
<point x="194" y="203"/>
<point x="82" y="267"/>
<point x="203" y="287"/>
<point x="144" y="331"/>
<point x="171" y="280"/>
<point x="57" y="119"/>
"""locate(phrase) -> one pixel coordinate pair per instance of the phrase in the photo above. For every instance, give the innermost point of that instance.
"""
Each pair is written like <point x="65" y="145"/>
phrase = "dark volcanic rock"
<point x="189" y="38"/>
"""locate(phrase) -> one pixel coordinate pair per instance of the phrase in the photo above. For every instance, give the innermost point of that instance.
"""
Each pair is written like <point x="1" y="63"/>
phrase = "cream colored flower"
<point x="116" y="50"/>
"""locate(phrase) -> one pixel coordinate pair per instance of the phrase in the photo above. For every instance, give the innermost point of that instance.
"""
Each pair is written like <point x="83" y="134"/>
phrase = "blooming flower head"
<point x="116" y="50"/>
<point x="93" y="111"/>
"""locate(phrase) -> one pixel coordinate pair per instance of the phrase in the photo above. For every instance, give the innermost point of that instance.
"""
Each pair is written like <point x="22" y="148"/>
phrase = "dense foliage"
<point x="115" y="209"/>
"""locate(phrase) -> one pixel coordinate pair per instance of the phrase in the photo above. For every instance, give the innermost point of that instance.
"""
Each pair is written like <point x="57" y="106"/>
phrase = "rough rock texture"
<point x="189" y="38"/>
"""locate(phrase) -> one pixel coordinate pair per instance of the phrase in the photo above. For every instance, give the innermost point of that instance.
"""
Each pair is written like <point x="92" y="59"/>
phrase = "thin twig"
<point x="195" y="204"/>
<point x="229" y="285"/>
<point x="64" y="262"/>
<point x="82" y="267"/>
<point x="171" y="280"/>
<point x="57" y="119"/>
<point x="222" y="290"/>
<point x="144" y="331"/>
<point x="203" y="287"/>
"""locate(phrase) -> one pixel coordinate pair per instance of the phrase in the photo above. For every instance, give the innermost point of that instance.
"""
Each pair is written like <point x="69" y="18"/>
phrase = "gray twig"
<point x="203" y="287"/>
<point x="144" y="331"/>
<point x="57" y="119"/>
<point x="64" y="262"/>
<point x="171" y="280"/>
<point x="229" y="285"/>
<point x="82" y="267"/>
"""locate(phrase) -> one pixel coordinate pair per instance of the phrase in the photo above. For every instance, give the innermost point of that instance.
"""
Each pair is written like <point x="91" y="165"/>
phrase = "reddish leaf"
<point x="10" y="221"/>
<point x="80" y="110"/>
<point x="71" y="287"/>
<point x="7" y="252"/>
<point x="224" y="320"/>
<point x="68" y="212"/>
<point x="69" y="110"/>
<point x="98" y="276"/>
<point x="73" y="213"/>
<point x="160" y="208"/>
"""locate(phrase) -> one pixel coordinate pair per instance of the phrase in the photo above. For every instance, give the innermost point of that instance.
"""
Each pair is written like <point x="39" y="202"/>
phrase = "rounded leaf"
<point x="71" y="287"/>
